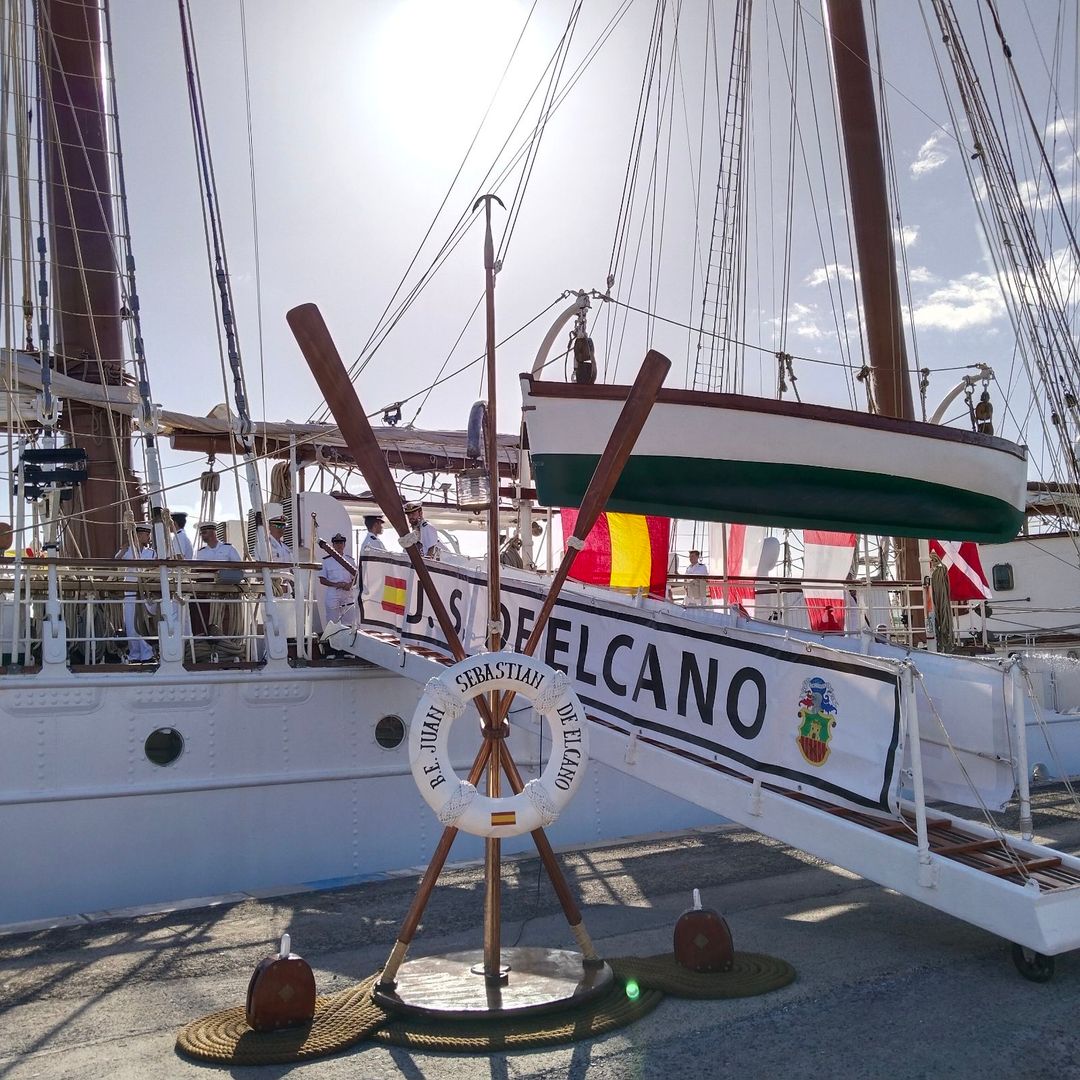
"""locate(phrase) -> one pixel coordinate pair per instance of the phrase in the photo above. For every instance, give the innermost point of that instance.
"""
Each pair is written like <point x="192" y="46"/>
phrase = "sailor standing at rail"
<point x="280" y="552"/>
<point x="429" y="538"/>
<point x="139" y="651"/>
<point x="211" y="616"/>
<point x="371" y="545"/>
<point x="696" y="591"/>
<point x="213" y="549"/>
<point x="181" y="543"/>
<point x="338" y="578"/>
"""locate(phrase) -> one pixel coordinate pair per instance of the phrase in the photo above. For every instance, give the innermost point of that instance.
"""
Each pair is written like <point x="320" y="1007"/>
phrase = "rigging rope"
<point x="491" y="180"/>
<point x="256" y="257"/>
<point x="220" y="269"/>
<point x="724" y="288"/>
<point x="1031" y="293"/>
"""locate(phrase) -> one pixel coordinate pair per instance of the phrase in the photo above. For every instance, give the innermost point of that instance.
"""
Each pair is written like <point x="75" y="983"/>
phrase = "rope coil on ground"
<point x="344" y="1019"/>
<point x="341" y="1020"/>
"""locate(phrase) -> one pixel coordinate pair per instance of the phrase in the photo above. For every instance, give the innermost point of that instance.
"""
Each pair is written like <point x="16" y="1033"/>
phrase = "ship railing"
<point x="884" y="609"/>
<point x="212" y="613"/>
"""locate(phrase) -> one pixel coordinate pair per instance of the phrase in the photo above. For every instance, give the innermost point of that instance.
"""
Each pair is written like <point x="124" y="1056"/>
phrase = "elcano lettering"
<point x="738" y="681"/>
<point x="633" y="664"/>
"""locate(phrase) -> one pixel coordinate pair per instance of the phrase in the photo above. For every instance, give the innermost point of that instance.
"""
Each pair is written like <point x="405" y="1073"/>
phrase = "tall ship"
<point x="219" y="703"/>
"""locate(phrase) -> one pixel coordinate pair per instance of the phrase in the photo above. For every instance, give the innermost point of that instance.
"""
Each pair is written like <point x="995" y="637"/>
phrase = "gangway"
<point x="1024" y="892"/>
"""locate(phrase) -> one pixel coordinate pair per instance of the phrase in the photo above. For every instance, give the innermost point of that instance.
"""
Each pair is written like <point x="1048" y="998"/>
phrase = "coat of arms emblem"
<point x="817" y="717"/>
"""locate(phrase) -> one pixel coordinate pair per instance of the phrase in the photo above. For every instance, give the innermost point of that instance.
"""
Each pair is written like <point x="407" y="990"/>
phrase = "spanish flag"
<point x="393" y="597"/>
<point x="623" y="551"/>
<point x="503" y="817"/>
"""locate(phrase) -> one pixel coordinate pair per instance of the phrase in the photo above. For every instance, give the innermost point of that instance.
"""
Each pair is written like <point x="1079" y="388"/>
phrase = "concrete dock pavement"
<point x="886" y="987"/>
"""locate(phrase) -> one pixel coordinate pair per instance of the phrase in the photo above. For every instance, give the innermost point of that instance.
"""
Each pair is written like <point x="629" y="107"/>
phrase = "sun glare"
<point x="438" y="63"/>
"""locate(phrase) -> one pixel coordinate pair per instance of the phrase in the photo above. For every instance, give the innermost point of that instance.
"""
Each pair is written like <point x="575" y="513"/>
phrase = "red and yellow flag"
<point x="393" y="597"/>
<point x="623" y="551"/>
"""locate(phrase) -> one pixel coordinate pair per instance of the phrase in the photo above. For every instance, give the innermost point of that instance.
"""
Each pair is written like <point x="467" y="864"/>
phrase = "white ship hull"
<point x="281" y="782"/>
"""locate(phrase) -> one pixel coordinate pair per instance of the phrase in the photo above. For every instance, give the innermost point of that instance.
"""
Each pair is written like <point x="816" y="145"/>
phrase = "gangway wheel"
<point x="1033" y="965"/>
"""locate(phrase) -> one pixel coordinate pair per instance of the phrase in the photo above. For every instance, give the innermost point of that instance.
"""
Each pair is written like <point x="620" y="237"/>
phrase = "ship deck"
<point x="885" y="985"/>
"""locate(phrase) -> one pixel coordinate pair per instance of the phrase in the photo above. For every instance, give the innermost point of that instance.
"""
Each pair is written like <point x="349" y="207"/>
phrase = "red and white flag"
<point x="826" y="555"/>
<point x="750" y="554"/>
<point x="967" y="580"/>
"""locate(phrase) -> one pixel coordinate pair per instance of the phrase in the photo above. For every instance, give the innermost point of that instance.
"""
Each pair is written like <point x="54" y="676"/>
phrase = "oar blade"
<point x="321" y="354"/>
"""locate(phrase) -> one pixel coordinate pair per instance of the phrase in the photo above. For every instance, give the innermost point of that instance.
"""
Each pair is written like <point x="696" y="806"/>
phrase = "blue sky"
<point x="360" y="112"/>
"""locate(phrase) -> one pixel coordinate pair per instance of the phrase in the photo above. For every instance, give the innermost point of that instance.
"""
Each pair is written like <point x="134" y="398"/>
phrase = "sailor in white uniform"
<point x="339" y="601"/>
<point x="429" y="538"/>
<point x="370" y="576"/>
<point x="213" y="616"/>
<point x="181" y="543"/>
<point x="372" y="544"/>
<point x="280" y="552"/>
<point x="213" y="549"/>
<point x="139" y="651"/>
<point x="696" y="591"/>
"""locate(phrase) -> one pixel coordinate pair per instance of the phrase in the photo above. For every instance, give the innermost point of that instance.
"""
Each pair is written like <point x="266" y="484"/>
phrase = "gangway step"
<point x="1024" y="867"/>
<point x="966" y="848"/>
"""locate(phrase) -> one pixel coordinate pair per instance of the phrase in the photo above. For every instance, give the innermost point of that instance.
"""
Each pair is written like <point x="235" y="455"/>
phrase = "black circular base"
<point x="454" y="986"/>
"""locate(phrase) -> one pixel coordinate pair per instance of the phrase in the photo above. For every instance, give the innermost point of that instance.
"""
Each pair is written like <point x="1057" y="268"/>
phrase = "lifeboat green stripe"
<point x="784" y="495"/>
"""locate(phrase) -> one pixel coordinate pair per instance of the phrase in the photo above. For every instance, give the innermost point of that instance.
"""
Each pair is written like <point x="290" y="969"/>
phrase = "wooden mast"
<point x="493" y="728"/>
<point x="872" y="225"/>
<point x="86" y="295"/>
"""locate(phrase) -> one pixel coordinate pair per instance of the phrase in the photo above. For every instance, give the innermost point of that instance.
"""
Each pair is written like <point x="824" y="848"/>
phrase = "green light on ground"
<point x="633" y="991"/>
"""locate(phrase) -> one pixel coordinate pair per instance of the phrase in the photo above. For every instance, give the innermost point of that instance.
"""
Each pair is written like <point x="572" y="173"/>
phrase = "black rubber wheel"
<point x="1033" y="965"/>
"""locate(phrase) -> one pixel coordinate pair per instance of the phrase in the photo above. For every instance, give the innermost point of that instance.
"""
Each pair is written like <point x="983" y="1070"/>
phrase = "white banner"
<point x="826" y="725"/>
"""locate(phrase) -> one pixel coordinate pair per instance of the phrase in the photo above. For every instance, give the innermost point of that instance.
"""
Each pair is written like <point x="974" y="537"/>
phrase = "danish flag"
<point x="967" y="581"/>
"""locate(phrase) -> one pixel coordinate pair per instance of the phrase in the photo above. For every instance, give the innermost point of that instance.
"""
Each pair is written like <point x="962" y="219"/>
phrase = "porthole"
<point x="390" y="732"/>
<point x="163" y="746"/>
<point x="1002" y="577"/>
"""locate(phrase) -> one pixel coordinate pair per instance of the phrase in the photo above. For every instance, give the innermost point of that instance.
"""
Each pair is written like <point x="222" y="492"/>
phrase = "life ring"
<point x="455" y="801"/>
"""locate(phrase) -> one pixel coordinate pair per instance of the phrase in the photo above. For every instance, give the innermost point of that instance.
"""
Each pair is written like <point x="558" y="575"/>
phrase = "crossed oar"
<point x="322" y="356"/>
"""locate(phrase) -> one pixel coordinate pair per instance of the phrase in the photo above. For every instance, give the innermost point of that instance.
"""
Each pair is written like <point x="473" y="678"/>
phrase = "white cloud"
<point x="920" y="275"/>
<point x="802" y="322"/>
<point x="1038" y="195"/>
<point x="829" y="272"/>
<point x="930" y="156"/>
<point x="1059" y="129"/>
<point x="972" y="300"/>
<point x="907" y="236"/>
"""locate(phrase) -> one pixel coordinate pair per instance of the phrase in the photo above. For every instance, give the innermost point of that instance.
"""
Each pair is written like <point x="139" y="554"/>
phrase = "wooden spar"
<point x="870" y="209"/>
<point x="872" y="224"/>
<point x="624" y="435"/>
<point x="88" y="327"/>
<point x="492" y="844"/>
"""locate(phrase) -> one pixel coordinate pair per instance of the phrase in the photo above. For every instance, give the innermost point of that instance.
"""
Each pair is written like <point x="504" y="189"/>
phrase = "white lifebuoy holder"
<point x="455" y="801"/>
